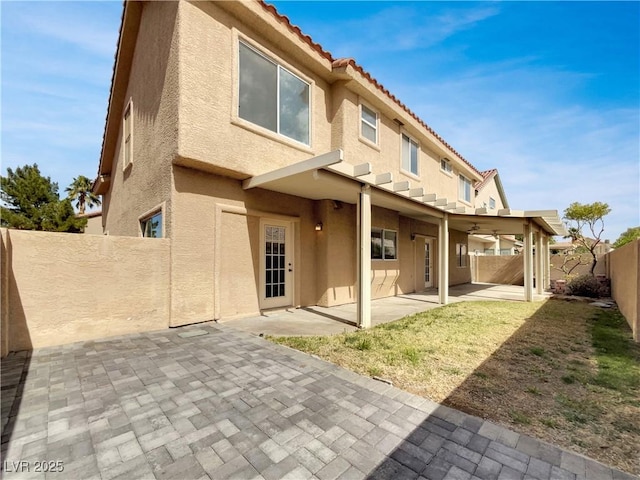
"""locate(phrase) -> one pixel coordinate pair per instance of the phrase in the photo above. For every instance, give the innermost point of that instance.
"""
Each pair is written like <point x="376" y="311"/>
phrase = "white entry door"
<point x="276" y="267"/>
<point x="428" y="263"/>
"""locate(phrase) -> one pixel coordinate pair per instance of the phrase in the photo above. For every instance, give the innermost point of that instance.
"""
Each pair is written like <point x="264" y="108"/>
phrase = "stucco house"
<point x="490" y="196"/>
<point x="282" y="176"/>
<point x="94" y="222"/>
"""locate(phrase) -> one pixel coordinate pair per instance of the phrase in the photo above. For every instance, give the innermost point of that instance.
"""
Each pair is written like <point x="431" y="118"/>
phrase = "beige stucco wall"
<point x="209" y="124"/>
<point x="458" y="275"/>
<point x="208" y="45"/>
<point x="481" y="243"/>
<point x="504" y="270"/>
<point x="94" y="225"/>
<point x="61" y="288"/>
<point x="4" y="294"/>
<point x="489" y="190"/>
<point x="558" y="260"/>
<point x="385" y="156"/>
<point x="153" y="89"/>
<point x="336" y="253"/>
<point x="191" y="153"/>
<point x="624" y="270"/>
<point x="202" y="222"/>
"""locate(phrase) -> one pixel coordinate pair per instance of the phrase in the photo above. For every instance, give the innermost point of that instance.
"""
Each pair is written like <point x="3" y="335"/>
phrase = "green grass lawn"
<point x="562" y="371"/>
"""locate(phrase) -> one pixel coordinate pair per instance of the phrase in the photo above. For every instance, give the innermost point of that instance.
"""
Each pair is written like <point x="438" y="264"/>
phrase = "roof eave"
<point x="503" y="196"/>
<point x="128" y="34"/>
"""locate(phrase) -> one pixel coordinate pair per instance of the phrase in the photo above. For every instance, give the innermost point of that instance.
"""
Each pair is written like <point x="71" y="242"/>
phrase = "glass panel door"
<point x="276" y="267"/>
<point x="428" y="282"/>
<point x="275" y="257"/>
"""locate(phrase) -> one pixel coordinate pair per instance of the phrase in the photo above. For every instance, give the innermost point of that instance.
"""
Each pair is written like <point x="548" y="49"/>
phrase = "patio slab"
<point x="227" y="404"/>
<point x="342" y="318"/>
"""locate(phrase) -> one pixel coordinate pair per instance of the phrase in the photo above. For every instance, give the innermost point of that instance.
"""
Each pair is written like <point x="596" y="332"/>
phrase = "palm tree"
<point x="80" y="190"/>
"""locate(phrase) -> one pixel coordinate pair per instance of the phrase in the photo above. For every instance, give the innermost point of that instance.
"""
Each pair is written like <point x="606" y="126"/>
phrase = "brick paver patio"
<point x="207" y="401"/>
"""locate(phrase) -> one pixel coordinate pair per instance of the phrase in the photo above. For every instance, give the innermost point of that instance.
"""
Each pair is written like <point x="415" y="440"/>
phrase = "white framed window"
<point x="505" y="251"/>
<point x="461" y="254"/>
<point x="384" y="244"/>
<point x="410" y="151"/>
<point x="151" y="226"/>
<point x="464" y="189"/>
<point x="127" y="135"/>
<point x="489" y="251"/>
<point x="368" y="124"/>
<point x="272" y="97"/>
<point x="445" y="166"/>
<point x="492" y="203"/>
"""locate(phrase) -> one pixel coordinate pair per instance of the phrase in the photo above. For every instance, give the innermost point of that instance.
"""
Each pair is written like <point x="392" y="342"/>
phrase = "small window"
<point x="409" y="155"/>
<point x="384" y="244"/>
<point x="127" y="134"/>
<point x="492" y="203"/>
<point x="505" y="251"/>
<point x="152" y="226"/>
<point x="489" y="251"/>
<point x="272" y="97"/>
<point x="445" y="166"/>
<point x="461" y="254"/>
<point x="369" y="124"/>
<point x="465" y="189"/>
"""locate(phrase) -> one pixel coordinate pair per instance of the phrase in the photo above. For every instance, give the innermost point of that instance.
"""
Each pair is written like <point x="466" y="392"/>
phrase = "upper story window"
<point x="492" y="203"/>
<point x="127" y="135"/>
<point x="272" y="97"/>
<point x="152" y="226"/>
<point x="445" y="166"/>
<point x="369" y="124"/>
<point x="464" y="189"/>
<point x="409" y="154"/>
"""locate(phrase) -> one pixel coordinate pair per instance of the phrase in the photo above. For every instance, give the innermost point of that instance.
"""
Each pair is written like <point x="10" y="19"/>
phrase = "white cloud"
<point x="400" y="28"/>
<point x="68" y="23"/>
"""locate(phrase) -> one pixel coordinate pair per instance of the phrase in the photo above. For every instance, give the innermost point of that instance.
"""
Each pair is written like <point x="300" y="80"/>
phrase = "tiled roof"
<point x="343" y="62"/>
<point x="113" y="77"/>
<point x="486" y="176"/>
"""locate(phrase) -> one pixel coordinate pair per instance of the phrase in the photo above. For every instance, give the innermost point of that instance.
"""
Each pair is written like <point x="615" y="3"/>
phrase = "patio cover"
<point x="328" y="176"/>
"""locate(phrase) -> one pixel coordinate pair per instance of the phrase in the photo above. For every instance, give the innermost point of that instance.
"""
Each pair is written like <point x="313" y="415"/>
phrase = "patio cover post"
<point x="539" y="263"/>
<point x="547" y="263"/>
<point x="528" y="262"/>
<point x="443" y="260"/>
<point x="364" y="257"/>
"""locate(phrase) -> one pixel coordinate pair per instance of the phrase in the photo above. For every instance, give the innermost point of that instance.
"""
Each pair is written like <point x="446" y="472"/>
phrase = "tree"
<point x="32" y="203"/>
<point x="81" y="191"/>
<point x="628" y="236"/>
<point x="590" y="215"/>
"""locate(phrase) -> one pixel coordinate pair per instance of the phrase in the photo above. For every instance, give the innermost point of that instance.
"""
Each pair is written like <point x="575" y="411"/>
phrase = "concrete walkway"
<point x="342" y="318"/>
<point x="207" y="401"/>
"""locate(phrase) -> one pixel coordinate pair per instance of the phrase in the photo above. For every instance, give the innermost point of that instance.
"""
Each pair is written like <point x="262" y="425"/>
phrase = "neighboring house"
<point x="283" y="176"/>
<point x="94" y="222"/>
<point x="569" y="246"/>
<point x="490" y="199"/>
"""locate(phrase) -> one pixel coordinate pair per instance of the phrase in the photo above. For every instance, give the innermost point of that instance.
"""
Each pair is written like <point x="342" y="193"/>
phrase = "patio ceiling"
<point x="328" y="176"/>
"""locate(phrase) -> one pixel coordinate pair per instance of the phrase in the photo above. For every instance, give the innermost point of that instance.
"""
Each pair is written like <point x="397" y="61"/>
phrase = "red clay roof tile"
<point x="486" y="175"/>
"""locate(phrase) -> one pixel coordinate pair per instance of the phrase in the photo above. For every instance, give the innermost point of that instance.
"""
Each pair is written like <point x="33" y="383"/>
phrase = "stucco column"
<point x="443" y="260"/>
<point x="364" y="257"/>
<point x="528" y="262"/>
<point x="547" y="263"/>
<point x="539" y="263"/>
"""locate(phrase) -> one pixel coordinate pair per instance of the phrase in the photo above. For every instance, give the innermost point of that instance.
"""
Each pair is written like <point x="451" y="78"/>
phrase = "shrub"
<point x="585" y="286"/>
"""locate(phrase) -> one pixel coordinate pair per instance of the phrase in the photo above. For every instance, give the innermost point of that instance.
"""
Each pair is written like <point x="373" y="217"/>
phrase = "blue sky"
<point x="547" y="92"/>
